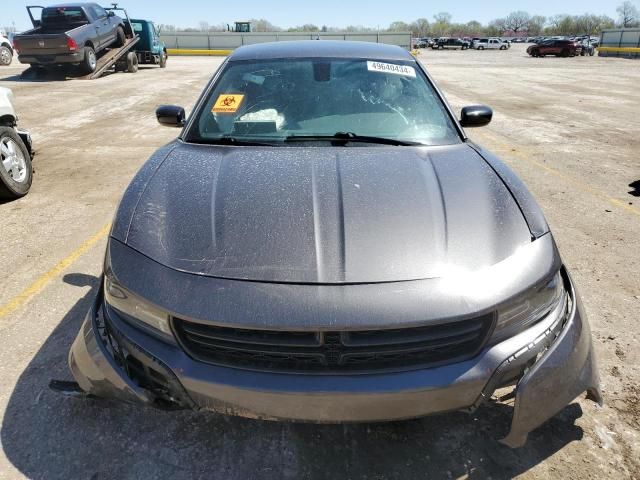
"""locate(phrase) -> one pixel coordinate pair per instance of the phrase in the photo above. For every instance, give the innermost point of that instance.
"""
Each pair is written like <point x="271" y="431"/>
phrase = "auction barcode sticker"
<point x="391" y="68"/>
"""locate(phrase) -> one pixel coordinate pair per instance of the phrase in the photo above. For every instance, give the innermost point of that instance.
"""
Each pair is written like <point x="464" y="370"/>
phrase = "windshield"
<point x="274" y="101"/>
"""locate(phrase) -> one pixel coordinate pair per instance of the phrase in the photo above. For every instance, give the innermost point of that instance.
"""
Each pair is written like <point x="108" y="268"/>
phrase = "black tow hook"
<point x="68" y="389"/>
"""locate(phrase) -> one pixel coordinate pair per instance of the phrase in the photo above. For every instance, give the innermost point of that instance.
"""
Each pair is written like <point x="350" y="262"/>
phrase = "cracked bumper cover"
<point x="559" y="346"/>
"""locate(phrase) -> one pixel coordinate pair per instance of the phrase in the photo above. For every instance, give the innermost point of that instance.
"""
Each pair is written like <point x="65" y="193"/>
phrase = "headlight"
<point x="129" y="304"/>
<point x="530" y="308"/>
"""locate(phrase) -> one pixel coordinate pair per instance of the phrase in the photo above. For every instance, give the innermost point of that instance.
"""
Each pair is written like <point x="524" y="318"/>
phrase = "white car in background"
<point x="6" y="51"/>
<point x="490" y="44"/>
<point x="16" y="172"/>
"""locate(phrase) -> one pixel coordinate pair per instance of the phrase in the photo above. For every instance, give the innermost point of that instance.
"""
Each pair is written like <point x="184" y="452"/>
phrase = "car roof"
<point x="72" y="4"/>
<point x="320" y="49"/>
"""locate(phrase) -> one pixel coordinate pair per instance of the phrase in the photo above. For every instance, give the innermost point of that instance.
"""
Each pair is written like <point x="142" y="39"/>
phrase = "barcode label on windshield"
<point x="391" y="68"/>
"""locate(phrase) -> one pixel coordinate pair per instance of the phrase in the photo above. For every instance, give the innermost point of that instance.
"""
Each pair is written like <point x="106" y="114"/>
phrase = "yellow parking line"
<point x="36" y="287"/>
<point x="580" y="185"/>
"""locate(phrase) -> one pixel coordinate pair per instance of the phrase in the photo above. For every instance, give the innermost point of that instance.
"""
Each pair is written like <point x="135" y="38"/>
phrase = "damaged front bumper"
<point x="551" y="364"/>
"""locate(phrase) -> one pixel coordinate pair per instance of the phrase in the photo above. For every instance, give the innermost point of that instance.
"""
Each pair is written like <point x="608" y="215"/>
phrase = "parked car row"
<point x="454" y="43"/>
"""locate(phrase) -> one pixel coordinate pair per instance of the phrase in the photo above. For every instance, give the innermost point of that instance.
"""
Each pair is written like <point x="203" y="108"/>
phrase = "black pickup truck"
<point x="70" y="33"/>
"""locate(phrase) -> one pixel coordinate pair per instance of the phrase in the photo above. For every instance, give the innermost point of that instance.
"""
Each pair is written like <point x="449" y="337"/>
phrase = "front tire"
<point x="90" y="62"/>
<point x="16" y="172"/>
<point x="6" y="56"/>
<point x="121" y="38"/>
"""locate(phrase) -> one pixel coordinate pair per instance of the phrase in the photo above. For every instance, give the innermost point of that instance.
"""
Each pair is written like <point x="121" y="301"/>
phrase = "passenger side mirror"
<point x="171" y="116"/>
<point x="476" y="116"/>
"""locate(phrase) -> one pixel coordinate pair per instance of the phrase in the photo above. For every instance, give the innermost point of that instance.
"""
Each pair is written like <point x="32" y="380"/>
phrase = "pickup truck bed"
<point x="40" y="48"/>
<point x="72" y="34"/>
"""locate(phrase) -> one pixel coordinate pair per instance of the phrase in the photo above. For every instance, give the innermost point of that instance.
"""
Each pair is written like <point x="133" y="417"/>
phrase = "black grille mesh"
<point x="364" y="351"/>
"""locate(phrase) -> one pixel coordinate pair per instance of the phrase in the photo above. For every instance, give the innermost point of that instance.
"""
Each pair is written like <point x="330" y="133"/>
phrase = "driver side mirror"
<point x="476" y="116"/>
<point x="111" y="14"/>
<point x="171" y="116"/>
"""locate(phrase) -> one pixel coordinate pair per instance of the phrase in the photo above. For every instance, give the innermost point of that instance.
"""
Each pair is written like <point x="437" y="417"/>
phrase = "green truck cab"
<point x="149" y="49"/>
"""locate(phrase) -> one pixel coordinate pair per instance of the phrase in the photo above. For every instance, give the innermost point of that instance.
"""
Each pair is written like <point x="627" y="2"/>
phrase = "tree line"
<point x="518" y="23"/>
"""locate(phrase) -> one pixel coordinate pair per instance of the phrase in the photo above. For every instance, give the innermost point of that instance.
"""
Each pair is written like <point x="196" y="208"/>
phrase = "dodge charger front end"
<point x="323" y="243"/>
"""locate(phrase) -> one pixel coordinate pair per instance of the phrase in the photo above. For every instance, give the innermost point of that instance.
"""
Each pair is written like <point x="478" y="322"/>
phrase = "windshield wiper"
<point x="345" y="137"/>
<point x="230" y="140"/>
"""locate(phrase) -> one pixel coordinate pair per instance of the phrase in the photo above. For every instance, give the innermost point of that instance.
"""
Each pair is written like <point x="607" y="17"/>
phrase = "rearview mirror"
<point x="476" y="116"/>
<point x="170" y="115"/>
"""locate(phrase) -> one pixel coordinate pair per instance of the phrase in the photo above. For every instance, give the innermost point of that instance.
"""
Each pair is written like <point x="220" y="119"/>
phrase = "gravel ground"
<point x="568" y="127"/>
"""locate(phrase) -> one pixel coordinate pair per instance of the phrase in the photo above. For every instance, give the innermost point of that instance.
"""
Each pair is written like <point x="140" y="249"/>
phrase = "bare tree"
<point x="473" y="27"/>
<point x="628" y="14"/>
<point x="399" y="26"/>
<point x="498" y="26"/>
<point x="442" y="17"/>
<point x="262" y="25"/>
<point x="166" y="28"/>
<point x="517" y="21"/>
<point x="536" y="25"/>
<point x="587" y="24"/>
<point x="203" y="26"/>
<point x="555" y="22"/>
<point x="420" y="27"/>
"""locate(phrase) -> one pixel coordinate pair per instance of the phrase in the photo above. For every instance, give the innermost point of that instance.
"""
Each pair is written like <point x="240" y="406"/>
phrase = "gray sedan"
<point x="323" y="243"/>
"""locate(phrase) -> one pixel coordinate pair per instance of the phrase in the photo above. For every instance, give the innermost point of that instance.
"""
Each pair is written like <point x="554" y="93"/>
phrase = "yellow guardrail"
<point x="193" y="51"/>
<point x="620" y="49"/>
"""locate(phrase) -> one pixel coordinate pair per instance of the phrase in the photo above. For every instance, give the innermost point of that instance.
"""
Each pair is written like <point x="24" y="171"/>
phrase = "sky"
<point x="339" y="13"/>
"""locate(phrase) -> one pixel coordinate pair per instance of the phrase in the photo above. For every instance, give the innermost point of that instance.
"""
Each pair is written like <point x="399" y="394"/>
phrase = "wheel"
<point x="15" y="165"/>
<point x="480" y="47"/>
<point x="132" y="62"/>
<point x="121" y="37"/>
<point x="90" y="61"/>
<point x="163" y="59"/>
<point x="565" y="52"/>
<point x="503" y="48"/>
<point x="6" y="56"/>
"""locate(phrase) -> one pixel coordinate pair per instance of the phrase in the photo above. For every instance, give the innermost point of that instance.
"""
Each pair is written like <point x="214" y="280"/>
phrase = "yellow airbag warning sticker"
<point x="228" y="103"/>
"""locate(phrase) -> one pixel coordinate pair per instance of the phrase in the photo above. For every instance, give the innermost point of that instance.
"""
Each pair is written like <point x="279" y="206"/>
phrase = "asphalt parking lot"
<point x="568" y="126"/>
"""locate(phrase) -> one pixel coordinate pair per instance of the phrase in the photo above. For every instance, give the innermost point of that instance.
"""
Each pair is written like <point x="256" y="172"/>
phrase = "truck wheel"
<point x="163" y="60"/>
<point x="121" y="37"/>
<point x="6" y="56"/>
<point x="132" y="62"/>
<point x="90" y="61"/>
<point x="16" y="172"/>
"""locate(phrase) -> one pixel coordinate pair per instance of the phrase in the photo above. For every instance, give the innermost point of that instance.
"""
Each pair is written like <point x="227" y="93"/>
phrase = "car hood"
<point x="326" y="215"/>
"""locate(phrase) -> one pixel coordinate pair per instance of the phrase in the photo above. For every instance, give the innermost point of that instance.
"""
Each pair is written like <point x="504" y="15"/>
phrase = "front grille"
<point x="363" y="351"/>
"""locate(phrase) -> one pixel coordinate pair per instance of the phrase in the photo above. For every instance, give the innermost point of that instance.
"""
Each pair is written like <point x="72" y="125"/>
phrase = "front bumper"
<point x="552" y="363"/>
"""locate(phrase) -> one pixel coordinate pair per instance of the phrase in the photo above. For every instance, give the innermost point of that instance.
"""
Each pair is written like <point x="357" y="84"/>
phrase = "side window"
<point x="99" y="12"/>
